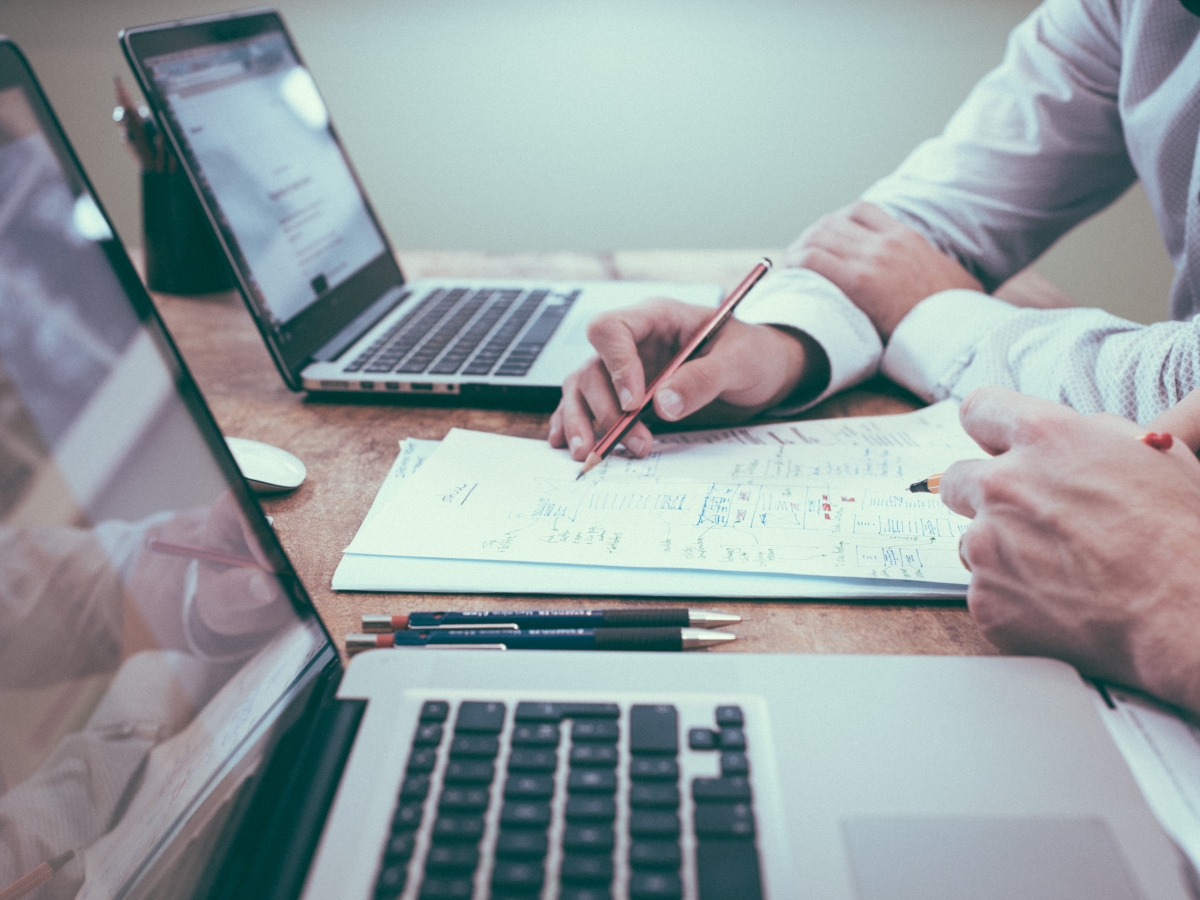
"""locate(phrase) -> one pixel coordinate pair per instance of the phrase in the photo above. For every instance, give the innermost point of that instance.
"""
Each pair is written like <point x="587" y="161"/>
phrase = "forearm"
<point x="1084" y="358"/>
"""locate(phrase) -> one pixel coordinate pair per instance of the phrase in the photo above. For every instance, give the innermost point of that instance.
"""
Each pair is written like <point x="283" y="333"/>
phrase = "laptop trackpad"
<point x="986" y="859"/>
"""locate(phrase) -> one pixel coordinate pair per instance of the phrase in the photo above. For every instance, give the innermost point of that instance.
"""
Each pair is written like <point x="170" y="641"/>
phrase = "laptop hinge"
<point x="276" y="838"/>
<point x="360" y="325"/>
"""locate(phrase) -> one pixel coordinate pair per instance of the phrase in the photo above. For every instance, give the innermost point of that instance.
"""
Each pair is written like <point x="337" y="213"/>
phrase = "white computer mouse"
<point x="268" y="469"/>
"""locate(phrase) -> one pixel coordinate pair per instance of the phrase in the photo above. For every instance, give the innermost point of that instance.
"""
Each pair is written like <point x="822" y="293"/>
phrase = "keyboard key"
<point x="525" y="815"/>
<point x="525" y="759"/>
<point x="592" y="781"/>
<point x="452" y="858"/>
<point x="652" y="795"/>
<point x="600" y="731"/>
<point x="733" y="739"/>
<point x="588" y="838"/>
<point x="391" y="880"/>
<point x="457" y="799"/>
<point x="580" y="868"/>
<point x="469" y="771"/>
<point x="720" y="790"/>
<point x="429" y="735"/>
<point x="724" y="820"/>
<point x="522" y="844"/>
<point x="653" y="768"/>
<point x="650" y="854"/>
<point x="729" y="717"/>
<point x="422" y="761"/>
<point x="653" y="823"/>
<point x="408" y="817"/>
<point x="513" y="874"/>
<point x="474" y="745"/>
<point x="590" y="892"/>
<point x="414" y="788"/>
<point x="522" y="787"/>
<point x="399" y="847"/>
<point x="447" y="889"/>
<point x="728" y="870"/>
<point x="542" y="734"/>
<point x="591" y="809"/>
<point x="655" y="886"/>
<point x="483" y="718"/>
<point x="458" y="828"/>
<point x="434" y="711"/>
<point x="653" y="729"/>
<point x="598" y="755"/>
<point x="702" y="739"/>
<point x="734" y="762"/>
<point x="556" y="712"/>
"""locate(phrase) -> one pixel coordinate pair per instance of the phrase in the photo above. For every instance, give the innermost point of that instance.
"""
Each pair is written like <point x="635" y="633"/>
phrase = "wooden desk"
<point x="349" y="447"/>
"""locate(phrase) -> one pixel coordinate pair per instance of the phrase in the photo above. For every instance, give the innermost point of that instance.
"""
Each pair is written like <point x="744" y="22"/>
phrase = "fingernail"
<point x="636" y="445"/>
<point x="625" y="395"/>
<point x="670" y="403"/>
<point x="576" y="442"/>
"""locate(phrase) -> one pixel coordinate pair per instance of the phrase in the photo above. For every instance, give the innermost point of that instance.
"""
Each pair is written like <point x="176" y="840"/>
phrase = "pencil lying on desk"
<point x="669" y="639"/>
<point x="551" y="618"/>
<point x="690" y="349"/>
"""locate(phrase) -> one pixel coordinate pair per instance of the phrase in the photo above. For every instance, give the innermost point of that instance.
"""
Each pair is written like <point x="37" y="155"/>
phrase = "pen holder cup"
<point x="182" y="252"/>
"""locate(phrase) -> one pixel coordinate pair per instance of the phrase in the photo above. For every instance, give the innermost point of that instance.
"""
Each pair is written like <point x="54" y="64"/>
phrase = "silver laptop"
<point x="175" y="722"/>
<point x="313" y="264"/>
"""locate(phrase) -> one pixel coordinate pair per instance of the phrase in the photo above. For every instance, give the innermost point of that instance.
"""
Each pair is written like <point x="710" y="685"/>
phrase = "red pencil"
<point x="693" y="347"/>
<point x="215" y="556"/>
<point x="36" y="877"/>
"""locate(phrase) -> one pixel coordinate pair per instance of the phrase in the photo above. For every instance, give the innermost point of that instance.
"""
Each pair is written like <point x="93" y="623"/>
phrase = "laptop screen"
<point x="252" y="130"/>
<point x="151" y="629"/>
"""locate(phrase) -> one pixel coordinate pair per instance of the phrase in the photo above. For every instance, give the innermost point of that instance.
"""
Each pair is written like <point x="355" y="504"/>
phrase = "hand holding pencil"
<point x="744" y="369"/>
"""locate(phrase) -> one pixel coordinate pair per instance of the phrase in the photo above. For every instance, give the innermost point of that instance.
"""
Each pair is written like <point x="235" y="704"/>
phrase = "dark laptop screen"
<point x="146" y="640"/>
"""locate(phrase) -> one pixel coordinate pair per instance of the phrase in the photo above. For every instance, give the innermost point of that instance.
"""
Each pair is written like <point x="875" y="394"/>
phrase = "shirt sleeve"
<point x="808" y="302"/>
<point x="1037" y="147"/>
<point x="1087" y="359"/>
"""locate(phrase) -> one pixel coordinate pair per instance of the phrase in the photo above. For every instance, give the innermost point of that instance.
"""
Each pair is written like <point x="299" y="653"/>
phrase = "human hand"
<point x="1083" y="544"/>
<point x="745" y="369"/>
<point x="884" y="267"/>
<point x="1181" y="421"/>
<point x="228" y="601"/>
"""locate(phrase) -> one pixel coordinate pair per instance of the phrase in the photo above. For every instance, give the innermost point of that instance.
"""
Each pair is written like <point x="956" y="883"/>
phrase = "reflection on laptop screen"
<point x="258" y="129"/>
<point x="136" y="675"/>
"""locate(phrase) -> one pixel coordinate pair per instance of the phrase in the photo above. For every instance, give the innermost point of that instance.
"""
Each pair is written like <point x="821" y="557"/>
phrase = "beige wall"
<point x="551" y="124"/>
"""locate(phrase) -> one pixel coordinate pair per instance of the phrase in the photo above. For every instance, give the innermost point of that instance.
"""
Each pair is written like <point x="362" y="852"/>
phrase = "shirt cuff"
<point x="934" y="343"/>
<point x="808" y="302"/>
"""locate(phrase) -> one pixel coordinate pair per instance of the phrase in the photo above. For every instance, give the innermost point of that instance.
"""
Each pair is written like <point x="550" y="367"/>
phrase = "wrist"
<point x="807" y="365"/>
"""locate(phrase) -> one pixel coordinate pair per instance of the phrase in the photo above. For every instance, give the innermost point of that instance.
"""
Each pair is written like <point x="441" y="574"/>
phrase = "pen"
<point x="694" y="346"/>
<point x="547" y="639"/>
<point x="36" y="877"/>
<point x="129" y="117"/>
<point x="551" y="618"/>
<point x="187" y="551"/>
<point x="1153" y="439"/>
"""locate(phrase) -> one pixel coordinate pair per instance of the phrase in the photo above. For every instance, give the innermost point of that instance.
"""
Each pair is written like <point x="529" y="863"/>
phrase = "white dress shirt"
<point x="1091" y="95"/>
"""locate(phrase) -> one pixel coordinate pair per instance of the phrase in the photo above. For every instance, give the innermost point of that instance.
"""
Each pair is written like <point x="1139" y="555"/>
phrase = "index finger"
<point x="997" y="418"/>
<point x="617" y="336"/>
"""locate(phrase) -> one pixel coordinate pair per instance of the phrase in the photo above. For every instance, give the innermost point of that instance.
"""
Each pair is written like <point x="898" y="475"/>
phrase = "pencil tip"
<point x="593" y="459"/>
<point x="61" y="860"/>
<point x="920" y="487"/>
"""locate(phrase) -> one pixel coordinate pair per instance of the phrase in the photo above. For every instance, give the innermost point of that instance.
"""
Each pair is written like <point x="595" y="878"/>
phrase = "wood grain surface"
<point x="348" y="448"/>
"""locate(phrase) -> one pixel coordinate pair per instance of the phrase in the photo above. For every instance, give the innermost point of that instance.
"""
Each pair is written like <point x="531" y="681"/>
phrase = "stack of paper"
<point x="816" y="509"/>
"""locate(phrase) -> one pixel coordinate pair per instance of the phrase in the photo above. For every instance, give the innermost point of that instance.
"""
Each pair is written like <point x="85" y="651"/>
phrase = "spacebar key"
<point x="728" y="870"/>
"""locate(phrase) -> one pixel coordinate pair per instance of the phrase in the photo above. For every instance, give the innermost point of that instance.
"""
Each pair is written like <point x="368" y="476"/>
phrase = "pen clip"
<point x="473" y="626"/>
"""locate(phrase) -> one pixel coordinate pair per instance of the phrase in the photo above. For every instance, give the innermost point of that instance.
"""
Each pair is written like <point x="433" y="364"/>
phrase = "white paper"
<point x="825" y="498"/>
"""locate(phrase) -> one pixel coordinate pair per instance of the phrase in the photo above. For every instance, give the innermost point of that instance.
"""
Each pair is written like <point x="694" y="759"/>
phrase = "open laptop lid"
<point x="140" y="686"/>
<point x="249" y="126"/>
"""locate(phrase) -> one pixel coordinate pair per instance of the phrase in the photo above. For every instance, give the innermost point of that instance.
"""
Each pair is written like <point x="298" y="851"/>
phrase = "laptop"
<point x="245" y="118"/>
<point x="176" y="722"/>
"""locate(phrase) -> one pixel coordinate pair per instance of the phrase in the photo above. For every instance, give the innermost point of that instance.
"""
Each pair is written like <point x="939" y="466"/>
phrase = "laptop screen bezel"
<point x="293" y="346"/>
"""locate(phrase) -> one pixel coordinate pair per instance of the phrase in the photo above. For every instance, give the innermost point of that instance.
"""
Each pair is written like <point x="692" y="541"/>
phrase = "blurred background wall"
<point x="610" y="124"/>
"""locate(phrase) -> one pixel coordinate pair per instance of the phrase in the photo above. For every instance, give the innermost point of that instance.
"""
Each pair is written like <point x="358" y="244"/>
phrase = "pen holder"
<point x="182" y="253"/>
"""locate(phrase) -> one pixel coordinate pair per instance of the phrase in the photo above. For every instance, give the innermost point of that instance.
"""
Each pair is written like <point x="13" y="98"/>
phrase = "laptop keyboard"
<point x="467" y="329"/>
<point x="550" y="802"/>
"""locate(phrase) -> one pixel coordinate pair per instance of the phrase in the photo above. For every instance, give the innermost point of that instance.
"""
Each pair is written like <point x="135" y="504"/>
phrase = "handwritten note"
<point x="809" y="498"/>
